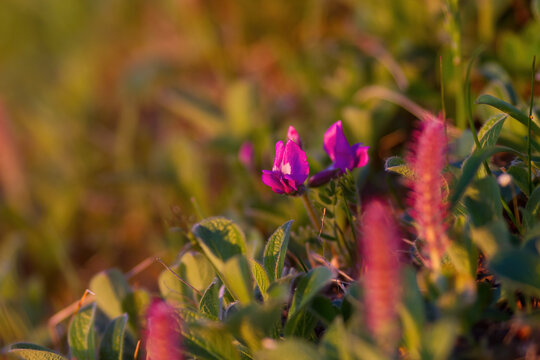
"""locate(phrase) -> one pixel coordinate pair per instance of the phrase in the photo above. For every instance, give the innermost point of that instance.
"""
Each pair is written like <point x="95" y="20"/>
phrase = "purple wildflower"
<point x="292" y="134"/>
<point x="289" y="171"/>
<point x="344" y="157"/>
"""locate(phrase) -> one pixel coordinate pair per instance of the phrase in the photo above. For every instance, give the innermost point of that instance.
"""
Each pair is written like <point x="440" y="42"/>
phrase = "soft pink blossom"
<point x="428" y="160"/>
<point x="163" y="336"/>
<point x="381" y="278"/>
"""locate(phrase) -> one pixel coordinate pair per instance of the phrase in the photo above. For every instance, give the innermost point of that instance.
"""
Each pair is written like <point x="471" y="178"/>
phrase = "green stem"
<point x="529" y="127"/>
<point x="311" y="212"/>
<point x="510" y="214"/>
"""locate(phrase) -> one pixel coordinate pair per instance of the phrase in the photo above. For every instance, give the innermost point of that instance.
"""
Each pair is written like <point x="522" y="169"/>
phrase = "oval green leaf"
<point x="276" y="250"/>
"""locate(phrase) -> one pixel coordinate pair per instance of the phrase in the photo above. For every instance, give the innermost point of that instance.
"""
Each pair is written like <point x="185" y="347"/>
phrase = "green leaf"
<point x="412" y="312"/>
<point x="111" y="288"/>
<point x="499" y="77"/>
<point x="276" y="250"/>
<point x="490" y="131"/>
<point x="439" y="339"/>
<point x="519" y="267"/>
<point x="290" y="349"/>
<point x="195" y="269"/>
<point x="82" y="334"/>
<point x="220" y="239"/>
<point x="209" y="341"/>
<point x="302" y="324"/>
<point x="339" y="343"/>
<point x="28" y="351"/>
<point x="135" y="305"/>
<point x="491" y="238"/>
<point x="113" y="341"/>
<point x="31" y="354"/>
<point x="209" y="304"/>
<point x="308" y="287"/>
<point x="506" y="108"/>
<point x="255" y="322"/>
<point x="482" y="201"/>
<point x="533" y="204"/>
<point x="520" y="176"/>
<point x="470" y="167"/>
<point x="512" y="111"/>
<point x="261" y="278"/>
<point x="324" y="309"/>
<point x="397" y="165"/>
<point x="236" y="276"/>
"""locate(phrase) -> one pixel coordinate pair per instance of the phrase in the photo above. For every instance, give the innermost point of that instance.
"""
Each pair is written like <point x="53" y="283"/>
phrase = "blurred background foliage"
<point x="121" y="120"/>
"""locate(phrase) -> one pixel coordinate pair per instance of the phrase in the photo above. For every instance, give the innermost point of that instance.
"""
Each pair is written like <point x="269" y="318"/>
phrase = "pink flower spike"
<point x="290" y="169"/>
<point x="428" y="159"/>
<point x="163" y="336"/>
<point x="381" y="278"/>
<point x="292" y="134"/>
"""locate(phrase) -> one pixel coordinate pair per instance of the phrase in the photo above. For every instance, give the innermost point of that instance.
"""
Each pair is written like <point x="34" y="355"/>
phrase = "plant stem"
<point x="311" y="212"/>
<point x="529" y="134"/>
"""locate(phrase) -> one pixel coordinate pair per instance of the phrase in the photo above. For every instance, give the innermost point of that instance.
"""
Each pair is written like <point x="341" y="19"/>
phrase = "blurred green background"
<point x="121" y="120"/>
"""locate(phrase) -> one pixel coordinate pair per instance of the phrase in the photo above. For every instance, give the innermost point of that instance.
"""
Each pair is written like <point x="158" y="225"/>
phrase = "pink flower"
<point x="428" y="159"/>
<point x="163" y="337"/>
<point x="290" y="169"/>
<point x="292" y="134"/>
<point x="344" y="157"/>
<point x="381" y="279"/>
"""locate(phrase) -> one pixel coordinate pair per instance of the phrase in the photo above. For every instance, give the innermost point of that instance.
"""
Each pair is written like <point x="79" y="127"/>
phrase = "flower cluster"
<point x="428" y="159"/>
<point x="163" y="339"/>
<point x="381" y="281"/>
<point x="291" y="169"/>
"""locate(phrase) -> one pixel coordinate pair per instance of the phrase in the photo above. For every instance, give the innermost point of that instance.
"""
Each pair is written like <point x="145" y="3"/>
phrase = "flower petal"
<point x="293" y="135"/>
<point x="337" y="146"/>
<point x="361" y="156"/>
<point x="323" y="177"/>
<point x="289" y="186"/>
<point x="294" y="165"/>
<point x="272" y="179"/>
<point x="279" y="156"/>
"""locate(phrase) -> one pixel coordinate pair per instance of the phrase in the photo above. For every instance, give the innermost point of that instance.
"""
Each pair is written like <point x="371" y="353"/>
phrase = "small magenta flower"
<point x="428" y="159"/>
<point x="290" y="169"/>
<point x="381" y="278"/>
<point x="163" y="337"/>
<point x="292" y="134"/>
<point x="344" y="157"/>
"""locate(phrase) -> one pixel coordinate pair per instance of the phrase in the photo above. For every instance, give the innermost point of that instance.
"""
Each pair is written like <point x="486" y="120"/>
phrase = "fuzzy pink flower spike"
<point x="429" y="204"/>
<point x="381" y="279"/>
<point x="163" y="339"/>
